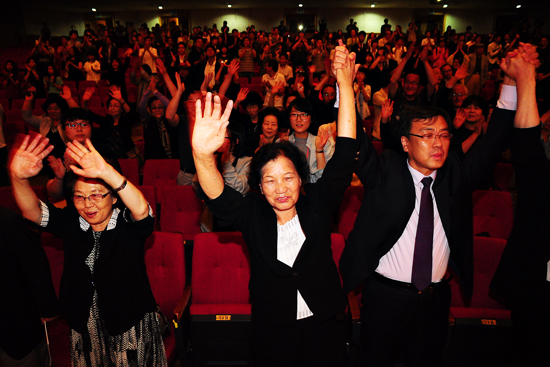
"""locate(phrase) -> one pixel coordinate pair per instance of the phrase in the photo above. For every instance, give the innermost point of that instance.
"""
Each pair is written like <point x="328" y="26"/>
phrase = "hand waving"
<point x="210" y="126"/>
<point x="27" y="160"/>
<point x="387" y="109"/>
<point x="92" y="163"/>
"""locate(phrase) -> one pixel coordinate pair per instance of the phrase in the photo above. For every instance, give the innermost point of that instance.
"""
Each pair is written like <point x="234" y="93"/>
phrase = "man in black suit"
<point x="415" y="220"/>
<point x="27" y="295"/>
<point x="523" y="275"/>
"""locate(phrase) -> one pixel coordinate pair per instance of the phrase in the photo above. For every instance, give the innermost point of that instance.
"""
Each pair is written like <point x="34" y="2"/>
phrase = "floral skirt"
<point x="141" y="345"/>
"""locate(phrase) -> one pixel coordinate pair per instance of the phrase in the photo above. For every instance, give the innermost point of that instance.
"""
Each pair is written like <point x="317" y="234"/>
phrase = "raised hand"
<point x="160" y="65"/>
<point x="299" y="89"/>
<point x="263" y="141"/>
<point x="387" y="109"/>
<point x="321" y="139"/>
<point x="180" y="85"/>
<point x="92" y="163"/>
<point x="88" y="94"/>
<point x="153" y="85"/>
<point x="459" y="119"/>
<point x="461" y="72"/>
<point x="114" y="92"/>
<point x="312" y="69"/>
<point x="242" y="95"/>
<point x="233" y="67"/>
<point x="279" y="87"/>
<point x="343" y="65"/>
<point x="521" y="63"/>
<point x="66" y="93"/>
<point x="27" y="160"/>
<point x="210" y="126"/>
<point x="57" y="167"/>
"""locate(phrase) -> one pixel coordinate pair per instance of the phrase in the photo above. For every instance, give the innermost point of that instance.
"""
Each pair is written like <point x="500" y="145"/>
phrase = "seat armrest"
<point x="183" y="303"/>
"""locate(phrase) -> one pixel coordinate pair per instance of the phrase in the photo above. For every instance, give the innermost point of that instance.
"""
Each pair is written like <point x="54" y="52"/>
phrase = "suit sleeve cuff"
<point x="508" y="98"/>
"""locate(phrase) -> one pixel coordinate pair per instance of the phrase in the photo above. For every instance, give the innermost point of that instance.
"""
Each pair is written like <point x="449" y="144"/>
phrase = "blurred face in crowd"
<point x="252" y="110"/>
<point x="115" y="109"/>
<point x="54" y="112"/>
<point x="447" y="71"/>
<point x="458" y="95"/>
<point x="438" y="75"/>
<point x="270" y="126"/>
<point x="78" y="130"/>
<point x="473" y="113"/>
<point x="299" y="122"/>
<point x="157" y="109"/>
<point x="329" y="95"/>
<point x="411" y="85"/>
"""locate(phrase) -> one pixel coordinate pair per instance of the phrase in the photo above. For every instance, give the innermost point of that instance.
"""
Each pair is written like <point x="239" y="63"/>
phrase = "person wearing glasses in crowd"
<point x="105" y="292"/>
<point x="317" y="149"/>
<point x="76" y="128"/>
<point x="296" y="296"/>
<point x="415" y="222"/>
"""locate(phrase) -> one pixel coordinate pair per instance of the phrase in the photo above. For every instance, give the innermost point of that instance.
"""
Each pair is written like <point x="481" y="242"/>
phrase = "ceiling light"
<point x="372" y="6"/>
<point x="300" y="5"/>
<point x="518" y="6"/>
<point x="160" y="7"/>
<point x="445" y="5"/>
<point x="228" y="5"/>
<point x="93" y="9"/>
<point x="300" y="27"/>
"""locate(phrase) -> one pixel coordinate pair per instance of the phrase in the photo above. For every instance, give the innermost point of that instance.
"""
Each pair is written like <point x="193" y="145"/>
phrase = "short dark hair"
<point x="210" y="46"/>
<point x="74" y="114"/>
<point x="56" y="99"/>
<point x="421" y="113"/>
<point x="477" y="101"/>
<point x="270" y="152"/>
<point x="237" y="138"/>
<point x="253" y="98"/>
<point x="272" y="63"/>
<point x="269" y="111"/>
<point x="302" y="105"/>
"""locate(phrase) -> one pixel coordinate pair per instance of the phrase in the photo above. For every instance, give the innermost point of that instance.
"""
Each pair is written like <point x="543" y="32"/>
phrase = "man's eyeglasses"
<point x="408" y="82"/>
<point x="432" y="136"/>
<point x="298" y="116"/>
<point x="74" y="125"/>
<point x="94" y="198"/>
<point x="454" y="95"/>
<point x="329" y="94"/>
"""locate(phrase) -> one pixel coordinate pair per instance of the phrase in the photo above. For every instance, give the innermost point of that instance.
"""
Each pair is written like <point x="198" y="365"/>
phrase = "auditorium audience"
<point x="173" y="67"/>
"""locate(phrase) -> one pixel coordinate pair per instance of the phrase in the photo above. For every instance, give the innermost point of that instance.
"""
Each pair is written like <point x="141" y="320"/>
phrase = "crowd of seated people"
<point x="123" y="85"/>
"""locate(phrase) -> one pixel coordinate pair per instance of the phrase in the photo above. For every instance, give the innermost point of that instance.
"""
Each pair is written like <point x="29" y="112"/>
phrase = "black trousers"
<point x="400" y="324"/>
<point x="307" y="342"/>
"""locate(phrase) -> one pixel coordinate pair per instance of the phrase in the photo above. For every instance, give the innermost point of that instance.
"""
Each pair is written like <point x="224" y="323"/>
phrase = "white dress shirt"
<point x="398" y="262"/>
<point x="290" y="239"/>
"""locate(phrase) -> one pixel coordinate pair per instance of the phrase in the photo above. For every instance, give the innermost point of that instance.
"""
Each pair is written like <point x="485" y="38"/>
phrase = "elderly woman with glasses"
<point x="295" y="291"/>
<point x="105" y="291"/>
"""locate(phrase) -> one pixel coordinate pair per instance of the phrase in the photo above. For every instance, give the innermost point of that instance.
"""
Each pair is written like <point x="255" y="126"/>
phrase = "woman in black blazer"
<point x="295" y="290"/>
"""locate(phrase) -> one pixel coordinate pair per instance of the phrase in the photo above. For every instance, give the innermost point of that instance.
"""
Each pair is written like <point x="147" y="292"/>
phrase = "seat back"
<point x="130" y="169"/>
<point x="221" y="271"/>
<point x="165" y="262"/>
<point x="151" y="196"/>
<point x="181" y="211"/>
<point x="7" y="200"/>
<point x="161" y="173"/>
<point x="483" y="304"/>
<point x="493" y="213"/>
<point x="348" y="210"/>
<point x="503" y="175"/>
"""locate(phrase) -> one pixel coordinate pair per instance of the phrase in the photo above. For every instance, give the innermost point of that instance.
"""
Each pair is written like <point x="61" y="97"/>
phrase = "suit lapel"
<point x="268" y="247"/>
<point x="308" y="222"/>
